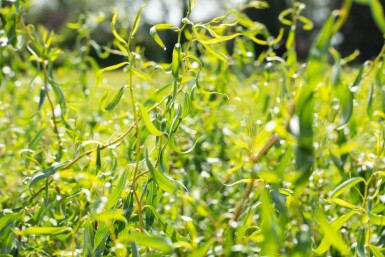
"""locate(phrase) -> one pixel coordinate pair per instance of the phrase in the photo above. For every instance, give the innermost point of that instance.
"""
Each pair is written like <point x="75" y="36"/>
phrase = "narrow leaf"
<point x="176" y="60"/>
<point x="135" y="26"/>
<point x="100" y="239"/>
<point x="109" y="68"/>
<point x="218" y="39"/>
<point x="155" y="242"/>
<point x="161" y="180"/>
<point x="110" y="215"/>
<point x="331" y="234"/>
<point x="377" y="219"/>
<point x="378" y="14"/>
<point x="46" y="173"/>
<point x="152" y="199"/>
<point x="114" y="32"/>
<point x="167" y="228"/>
<point x="202" y="251"/>
<point x="147" y="121"/>
<point x="376" y="251"/>
<point x="114" y="102"/>
<point x="43" y="231"/>
<point x="346" y="185"/>
<point x="336" y="225"/>
<point x="159" y="27"/>
<point x="115" y="195"/>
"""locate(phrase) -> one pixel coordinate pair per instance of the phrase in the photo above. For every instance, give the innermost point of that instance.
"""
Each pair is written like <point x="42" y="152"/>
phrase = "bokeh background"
<point x="359" y="32"/>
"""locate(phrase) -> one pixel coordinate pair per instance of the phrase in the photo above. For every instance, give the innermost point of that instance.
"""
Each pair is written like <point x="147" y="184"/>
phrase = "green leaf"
<point x="42" y="98"/>
<point x="115" y="195"/>
<point x="114" y="32"/>
<point x="152" y="199"/>
<point x="161" y="180"/>
<point x="331" y="234"/>
<point x="159" y="27"/>
<point x="219" y="39"/>
<point x="342" y="91"/>
<point x="114" y="102"/>
<point x="135" y="26"/>
<point x="342" y="203"/>
<point x="108" y="216"/>
<point x="346" y="185"/>
<point x="191" y="4"/>
<point x="202" y="251"/>
<point x="155" y="242"/>
<point x="376" y="251"/>
<point x="378" y="14"/>
<point x="316" y="66"/>
<point x="100" y="239"/>
<point x="221" y="56"/>
<point x="336" y="225"/>
<point x="46" y="173"/>
<point x="98" y="162"/>
<point x="167" y="228"/>
<point x="141" y="74"/>
<point x="361" y="243"/>
<point x="43" y="231"/>
<point x="186" y="105"/>
<point x="147" y="121"/>
<point x="99" y="73"/>
<point x="377" y="219"/>
<point x="34" y="142"/>
<point x="88" y="237"/>
<point x="176" y="60"/>
<point x="369" y="108"/>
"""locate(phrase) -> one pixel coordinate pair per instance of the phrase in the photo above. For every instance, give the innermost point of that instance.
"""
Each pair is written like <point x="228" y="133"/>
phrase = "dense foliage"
<point x="221" y="152"/>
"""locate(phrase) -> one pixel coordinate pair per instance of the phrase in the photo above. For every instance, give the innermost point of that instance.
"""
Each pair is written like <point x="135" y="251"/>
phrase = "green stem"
<point x="138" y="139"/>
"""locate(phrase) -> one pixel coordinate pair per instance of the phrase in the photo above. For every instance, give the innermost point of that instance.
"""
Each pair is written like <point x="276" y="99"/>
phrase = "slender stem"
<point x="138" y="143"/>
<point x="365" y="197"/>
<point x="52" y="107"/>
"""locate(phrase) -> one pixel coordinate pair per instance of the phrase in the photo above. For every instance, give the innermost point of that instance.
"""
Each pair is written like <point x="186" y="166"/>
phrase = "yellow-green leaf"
<point x="159" y="27"/>
<point x="341" y="202"/>
<point x="116" y="193"/>
<point x="43" y="231"/>
<point x="114" y="32"/>
<point x="377" y="219"/>
<point x="161" y="180"/>
<point x="110" y="215"/>
<point x="147" y="121"/>
<point x="167" y="228"/>
<point x="331" y="234"/>
<point x="376" y="251"/>
<point x="346" y="185"/>
<point x="378" y="14"/>
<point x="114" y="102"/>
<point x="218" y="39"/>
<point x="136" y="22"/>
<point x="155" y="242"/>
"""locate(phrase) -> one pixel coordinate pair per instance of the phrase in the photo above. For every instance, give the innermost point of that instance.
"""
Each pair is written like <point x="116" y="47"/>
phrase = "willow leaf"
<point x="346" y="185"/>
<point x="167" y="228"/>
<point x="114" y="32"/>
<point x="115" y="195"/>
<point x="159" y="27"/>
<point x="114" y="102"/>
<point x="161" y="180"/>
<point x="147" y="121"/>
<point x="43" y="231"/>
<point x="155" y="242"/>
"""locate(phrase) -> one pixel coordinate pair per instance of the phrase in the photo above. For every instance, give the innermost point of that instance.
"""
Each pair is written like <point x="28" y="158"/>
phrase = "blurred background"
<point x="359" y="32"/>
